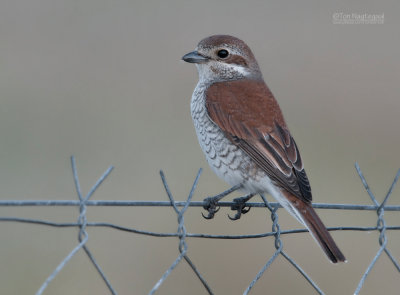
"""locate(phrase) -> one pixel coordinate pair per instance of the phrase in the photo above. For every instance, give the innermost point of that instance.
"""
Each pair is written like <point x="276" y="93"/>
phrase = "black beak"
<point x="194" y="57"/>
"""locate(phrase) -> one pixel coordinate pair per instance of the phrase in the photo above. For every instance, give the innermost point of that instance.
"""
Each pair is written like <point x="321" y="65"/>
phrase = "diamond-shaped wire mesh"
<point x="181" y="233"/>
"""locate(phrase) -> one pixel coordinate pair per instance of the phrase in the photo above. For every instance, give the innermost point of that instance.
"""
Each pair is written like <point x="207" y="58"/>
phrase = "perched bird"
<point x="243" y="134"/>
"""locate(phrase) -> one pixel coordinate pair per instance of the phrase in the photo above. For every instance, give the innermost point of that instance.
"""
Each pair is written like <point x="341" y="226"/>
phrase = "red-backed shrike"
<point x="244" y="136"/>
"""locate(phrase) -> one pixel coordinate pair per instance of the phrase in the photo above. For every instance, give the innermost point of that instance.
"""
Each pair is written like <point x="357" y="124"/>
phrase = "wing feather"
<point x="251" y="118"/>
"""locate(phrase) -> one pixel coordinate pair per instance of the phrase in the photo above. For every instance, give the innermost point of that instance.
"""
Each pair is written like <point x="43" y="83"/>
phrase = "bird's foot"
<point x="211" y="205"/>
<point x="240" y="206"/>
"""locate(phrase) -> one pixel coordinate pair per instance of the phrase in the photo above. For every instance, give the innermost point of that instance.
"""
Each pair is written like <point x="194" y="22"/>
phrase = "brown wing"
<point x="251" y="118"/>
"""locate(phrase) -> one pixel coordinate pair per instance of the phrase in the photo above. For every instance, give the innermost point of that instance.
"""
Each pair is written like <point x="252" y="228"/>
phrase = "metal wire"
<point x="180" y="209"/>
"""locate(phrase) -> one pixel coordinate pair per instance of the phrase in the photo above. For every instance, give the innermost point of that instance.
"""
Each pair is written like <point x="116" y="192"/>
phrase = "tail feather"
<point x="322" y="235"/>
<point x="311" y="220"/>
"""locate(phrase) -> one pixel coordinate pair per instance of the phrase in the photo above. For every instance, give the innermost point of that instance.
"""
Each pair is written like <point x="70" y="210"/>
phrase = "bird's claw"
<point x="211" y="205"/>
<point x="239" y="206"/>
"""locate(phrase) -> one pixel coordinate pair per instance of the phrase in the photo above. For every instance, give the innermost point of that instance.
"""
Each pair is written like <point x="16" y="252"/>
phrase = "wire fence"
<point x="180" y="208"/>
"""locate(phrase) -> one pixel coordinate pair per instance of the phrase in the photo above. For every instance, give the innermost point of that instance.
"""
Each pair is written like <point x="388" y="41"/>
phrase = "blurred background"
<point x="103" y="80"/>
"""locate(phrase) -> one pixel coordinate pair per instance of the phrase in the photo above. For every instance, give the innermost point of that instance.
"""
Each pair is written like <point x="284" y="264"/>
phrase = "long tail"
<point x="311" y="220"/>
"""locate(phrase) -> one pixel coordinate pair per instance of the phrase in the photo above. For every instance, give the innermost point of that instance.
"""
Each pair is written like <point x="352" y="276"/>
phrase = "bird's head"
<point x="223" y="58"/>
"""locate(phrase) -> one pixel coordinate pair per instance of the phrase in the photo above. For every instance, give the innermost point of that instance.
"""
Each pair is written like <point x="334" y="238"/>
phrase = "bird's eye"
<point x="223" y="53"/>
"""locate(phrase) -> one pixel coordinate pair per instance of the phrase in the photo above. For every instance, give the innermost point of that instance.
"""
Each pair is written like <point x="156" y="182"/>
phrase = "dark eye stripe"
<point x="237" y="59"/>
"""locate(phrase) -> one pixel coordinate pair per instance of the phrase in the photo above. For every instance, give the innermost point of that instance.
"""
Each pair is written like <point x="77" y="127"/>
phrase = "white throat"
<point x="215" y="72"/>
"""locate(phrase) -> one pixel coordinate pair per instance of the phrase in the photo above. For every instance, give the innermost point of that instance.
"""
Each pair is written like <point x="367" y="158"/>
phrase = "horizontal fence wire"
<point x="180" y="208"/>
